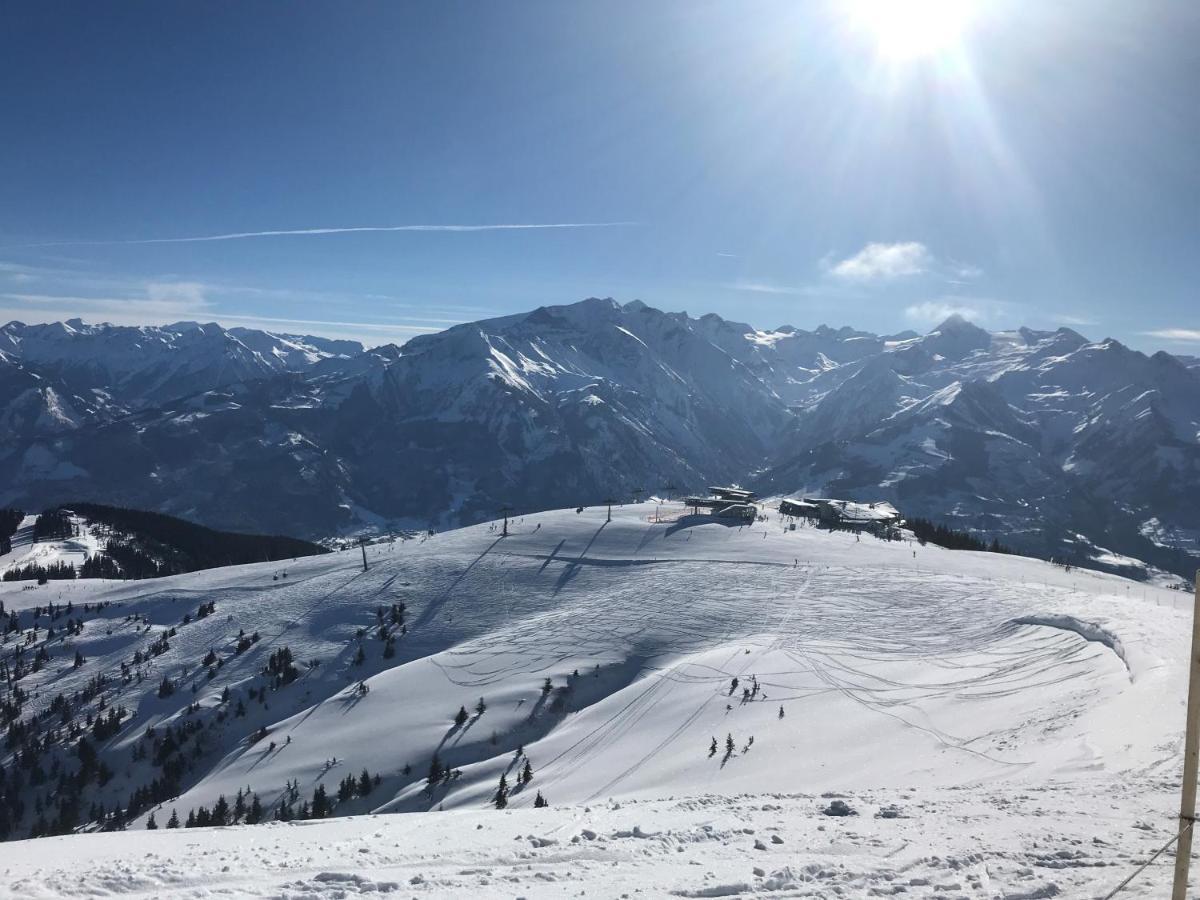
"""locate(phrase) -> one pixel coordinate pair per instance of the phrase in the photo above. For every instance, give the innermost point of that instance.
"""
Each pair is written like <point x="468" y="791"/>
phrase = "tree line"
<point x="944" y="536"/>
<point x="10" y="519"/>
<point x="141" y="544"/>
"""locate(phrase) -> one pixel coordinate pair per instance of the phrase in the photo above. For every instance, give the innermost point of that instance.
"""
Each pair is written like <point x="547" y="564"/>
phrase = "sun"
<point x="911" y="29"/>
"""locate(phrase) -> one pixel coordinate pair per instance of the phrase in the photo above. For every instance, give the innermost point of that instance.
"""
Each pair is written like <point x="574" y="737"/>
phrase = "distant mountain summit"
<point x="127" y="368"/>
<point x="1052" y="443"/>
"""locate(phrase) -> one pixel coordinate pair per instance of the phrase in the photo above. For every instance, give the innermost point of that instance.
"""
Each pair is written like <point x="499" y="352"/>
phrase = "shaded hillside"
<point x="175" y="545"/>
<point x="115" y="542"/>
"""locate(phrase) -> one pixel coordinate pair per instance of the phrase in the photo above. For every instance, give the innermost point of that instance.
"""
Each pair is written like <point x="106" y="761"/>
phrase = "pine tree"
<point x="480" y="707"/>
<point x="539" y="801"/>
<point x="78" y="659"/>
<point x="781" y="712"/>
<point x="191" y="819"/>
<point x="712" y="748"/>
<point x="173" y="822"/>
<point x="729" y="745"/>
<point x="460" y="718"/>
<point x="151" y="825"/>
<point x="320" y="803"/>
<point x="435" y="771"/>
<point x="501" y="796"/>
<point x="364" y="784"/>
<point x="254" y="816"/>
<point x="527" y="773"/>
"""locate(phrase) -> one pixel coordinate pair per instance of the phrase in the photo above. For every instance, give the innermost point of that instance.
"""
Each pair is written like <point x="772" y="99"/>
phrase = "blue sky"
<point x="770" y="162"/>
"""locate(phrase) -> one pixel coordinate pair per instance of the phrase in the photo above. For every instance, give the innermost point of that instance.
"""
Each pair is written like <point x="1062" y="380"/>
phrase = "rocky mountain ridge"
<point x="1055" y="444"/>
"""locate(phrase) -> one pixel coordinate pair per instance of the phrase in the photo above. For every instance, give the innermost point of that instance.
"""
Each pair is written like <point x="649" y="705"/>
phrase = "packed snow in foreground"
<point x="998" y="726"/>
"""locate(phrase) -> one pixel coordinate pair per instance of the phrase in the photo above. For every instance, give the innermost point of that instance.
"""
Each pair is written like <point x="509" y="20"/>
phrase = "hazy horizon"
<point x="1149" y="348"/>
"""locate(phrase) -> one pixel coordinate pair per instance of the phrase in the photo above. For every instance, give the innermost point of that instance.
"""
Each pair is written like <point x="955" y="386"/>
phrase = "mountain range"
<point x="1054" y="444"/>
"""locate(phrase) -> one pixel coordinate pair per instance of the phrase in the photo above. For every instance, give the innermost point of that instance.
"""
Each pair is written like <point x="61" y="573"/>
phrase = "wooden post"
<point x="1191" y="756"/>
<point x="362" y="542"/>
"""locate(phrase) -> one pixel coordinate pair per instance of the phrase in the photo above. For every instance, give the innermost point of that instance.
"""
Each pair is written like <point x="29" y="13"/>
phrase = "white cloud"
<point x="881" y="262"/>
<point x="1181" y="335"/>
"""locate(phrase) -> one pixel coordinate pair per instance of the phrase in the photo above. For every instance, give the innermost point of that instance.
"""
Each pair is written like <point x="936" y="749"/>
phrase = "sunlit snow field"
<point x="1007" y="708"/>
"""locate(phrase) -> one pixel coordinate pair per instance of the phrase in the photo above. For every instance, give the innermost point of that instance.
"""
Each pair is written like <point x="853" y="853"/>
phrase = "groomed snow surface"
<point x="1001" y="728"/>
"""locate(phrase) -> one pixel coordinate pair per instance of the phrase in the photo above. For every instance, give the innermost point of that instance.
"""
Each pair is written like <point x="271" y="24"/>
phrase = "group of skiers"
<point x="748" y="693"/>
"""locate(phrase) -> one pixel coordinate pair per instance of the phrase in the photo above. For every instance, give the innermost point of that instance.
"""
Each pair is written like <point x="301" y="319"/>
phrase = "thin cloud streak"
<point x="762" y="287"/>
<point x="365" y="326"/>
<point x="357" y="229"/>
<point x="1181" y="335"/>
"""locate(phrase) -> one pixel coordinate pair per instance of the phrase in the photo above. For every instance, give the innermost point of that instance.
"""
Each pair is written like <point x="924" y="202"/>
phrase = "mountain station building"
<point x="842" y="513"/>
<point x="726" y="502"/>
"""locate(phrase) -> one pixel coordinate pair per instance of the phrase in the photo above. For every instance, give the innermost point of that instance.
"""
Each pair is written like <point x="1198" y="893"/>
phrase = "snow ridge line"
<point x="1089" y="631"/>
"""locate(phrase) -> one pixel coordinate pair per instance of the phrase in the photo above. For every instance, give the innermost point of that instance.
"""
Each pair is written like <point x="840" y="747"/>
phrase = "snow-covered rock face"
<point x="152" y="364"/>
<point x="1028" y="436"/>
<point x="1032" y="437"/>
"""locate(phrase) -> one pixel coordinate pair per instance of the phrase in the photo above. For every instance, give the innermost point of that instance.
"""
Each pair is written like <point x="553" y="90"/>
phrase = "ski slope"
<point x="1003" y="705"/>
<point x="72" y="550"/>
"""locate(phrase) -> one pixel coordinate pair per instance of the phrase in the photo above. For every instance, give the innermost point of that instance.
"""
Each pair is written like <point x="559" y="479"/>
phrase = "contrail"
<point x="239" y="235"/>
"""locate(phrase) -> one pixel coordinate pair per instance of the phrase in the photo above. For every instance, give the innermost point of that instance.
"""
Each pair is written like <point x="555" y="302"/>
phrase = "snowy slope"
<point x="952" y="684"/>
<point x="72" y="551"/>
<point x="967" y="843"/>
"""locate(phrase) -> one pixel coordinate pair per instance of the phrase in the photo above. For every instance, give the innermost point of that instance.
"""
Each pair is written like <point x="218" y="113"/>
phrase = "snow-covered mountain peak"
<point x="572" y="402"/>
<point x="954" y="322"/>
<point x="956" y="337"/>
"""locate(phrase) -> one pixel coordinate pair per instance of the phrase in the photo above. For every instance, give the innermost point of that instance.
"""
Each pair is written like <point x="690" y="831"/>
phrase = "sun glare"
<point x="911" y="29"/>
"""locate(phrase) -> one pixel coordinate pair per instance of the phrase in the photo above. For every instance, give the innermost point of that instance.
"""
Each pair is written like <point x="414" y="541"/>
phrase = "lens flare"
<point x="911" y="29"/>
